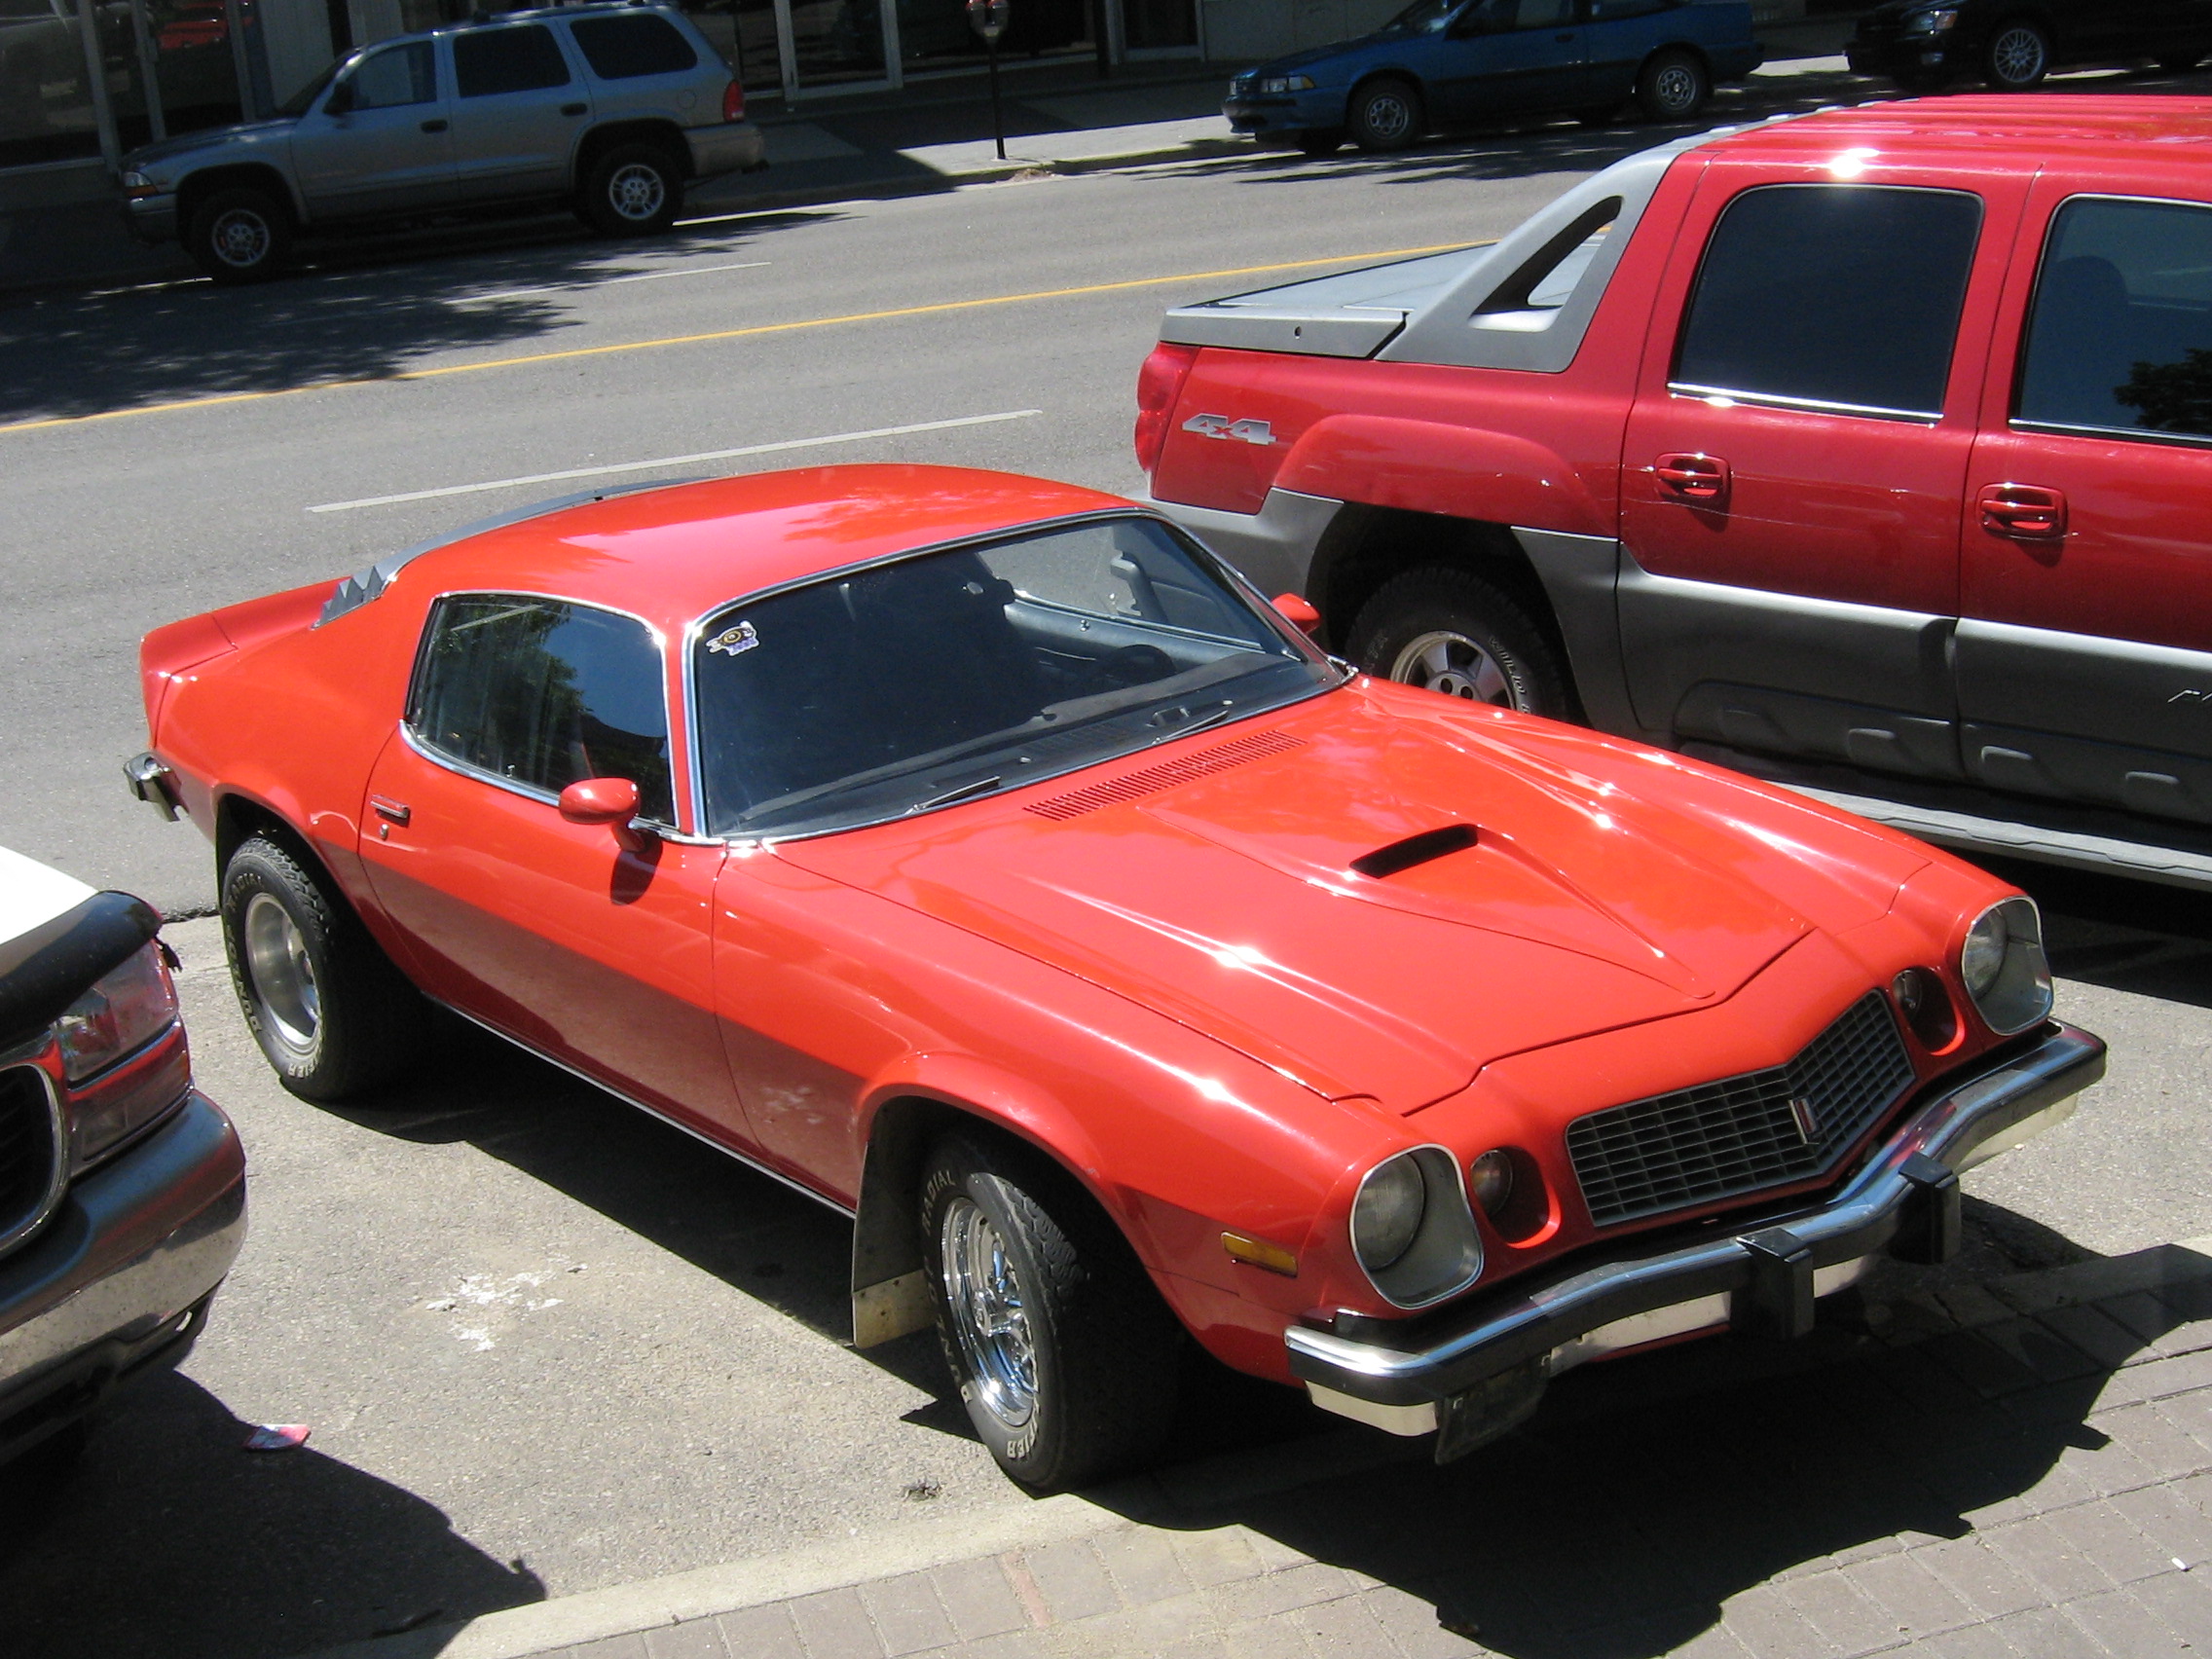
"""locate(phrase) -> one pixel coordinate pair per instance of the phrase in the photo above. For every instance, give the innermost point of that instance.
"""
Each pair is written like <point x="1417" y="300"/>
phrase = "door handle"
<point x="1702" y="479"/>
<point x="2024" y="512"/>
<point x="396" y="812"/>
<point x="573" y="109"/>
<point x="437" y="125"/>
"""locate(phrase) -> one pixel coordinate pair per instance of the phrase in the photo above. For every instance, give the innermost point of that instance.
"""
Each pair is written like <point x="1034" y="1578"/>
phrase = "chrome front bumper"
<point x="116" y="1280"/>
<point x="1481" y="1370"/>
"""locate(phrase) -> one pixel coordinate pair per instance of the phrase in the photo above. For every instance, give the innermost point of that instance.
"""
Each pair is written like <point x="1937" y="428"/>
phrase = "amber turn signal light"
<point x="1259" y="1253"/>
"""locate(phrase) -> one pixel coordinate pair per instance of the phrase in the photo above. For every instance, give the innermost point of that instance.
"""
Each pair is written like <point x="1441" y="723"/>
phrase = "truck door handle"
<point x="2024" y="512"/>
<point x="573" y="109"/>
<point x="1698" y="478"/>
<point x="434" y="125"/>
<point x="396" y="812"/>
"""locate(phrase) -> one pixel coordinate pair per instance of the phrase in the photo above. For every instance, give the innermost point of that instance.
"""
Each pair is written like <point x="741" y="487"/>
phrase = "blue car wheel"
<point x="1385" y="114"/>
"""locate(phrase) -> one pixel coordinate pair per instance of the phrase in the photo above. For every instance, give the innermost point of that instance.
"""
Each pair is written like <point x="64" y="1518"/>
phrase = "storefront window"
<point x="45" y="98"/>
<point x="744" y="32"/>
<point x="837" y="39"/>
<point x="935" y="34"/>
<point x="1161" y="26"/>
<point x="194" y="65"/>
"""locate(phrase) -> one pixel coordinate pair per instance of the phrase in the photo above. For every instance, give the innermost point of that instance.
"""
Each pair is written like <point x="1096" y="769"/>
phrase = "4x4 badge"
<point x="1222" y="427"/>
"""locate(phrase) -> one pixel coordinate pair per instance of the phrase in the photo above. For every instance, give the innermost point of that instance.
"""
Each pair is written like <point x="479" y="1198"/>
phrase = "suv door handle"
<point x="438" y="126"/>
<point x="573" y="109"/>
<point x="2024" y="512"/>
<point x="1702" y="479"/>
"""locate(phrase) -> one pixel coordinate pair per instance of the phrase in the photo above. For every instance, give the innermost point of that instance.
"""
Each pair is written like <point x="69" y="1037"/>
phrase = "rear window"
<point x="2120" y="336"/>
<point x="520" y="60"/>
<point x="1841" y="297"/>
<point x="618" y="49"/>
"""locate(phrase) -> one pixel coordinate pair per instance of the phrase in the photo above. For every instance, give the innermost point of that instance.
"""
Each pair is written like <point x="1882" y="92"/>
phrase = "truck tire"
<point x="240" y="235"/>
<point x="1451" y="632"/>
<point x="1673" y="86"/>
<point x="633" y="190"/>
<point x="1385" y="115"/>
<point x="2017" y="58"/>
<point x="332" y="1015"/>
<point x="1064" y="1355"/>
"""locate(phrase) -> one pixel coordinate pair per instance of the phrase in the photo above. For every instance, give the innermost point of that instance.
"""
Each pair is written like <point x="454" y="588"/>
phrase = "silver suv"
<point x="612" y="108"/>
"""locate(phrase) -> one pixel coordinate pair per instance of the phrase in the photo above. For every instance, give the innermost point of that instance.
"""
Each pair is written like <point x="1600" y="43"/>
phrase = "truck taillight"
<point x="1159" y="382"/>
<point x="733" y="103"/>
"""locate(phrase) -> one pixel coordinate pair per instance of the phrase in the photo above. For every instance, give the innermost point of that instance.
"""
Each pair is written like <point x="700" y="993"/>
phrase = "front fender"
<point x="1455" y="471"/>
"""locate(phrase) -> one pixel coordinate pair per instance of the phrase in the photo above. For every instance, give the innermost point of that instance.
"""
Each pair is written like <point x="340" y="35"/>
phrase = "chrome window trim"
<point x="42" y="1055"/>
<point x="1809" y="405"/>
<point x="2120" y="435"/>
<point x="429" y="752"/>
<point x="694" y="633"/>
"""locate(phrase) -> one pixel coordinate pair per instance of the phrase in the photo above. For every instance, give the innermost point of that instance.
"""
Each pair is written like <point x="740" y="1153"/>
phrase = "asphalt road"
<point x="544" y="1344"/>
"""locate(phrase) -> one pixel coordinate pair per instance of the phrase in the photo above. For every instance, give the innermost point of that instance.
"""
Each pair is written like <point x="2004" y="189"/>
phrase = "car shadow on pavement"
<point x="367" y="310"/>
<point x="298" y="1550"/>
<point x="1646" y="1495"/>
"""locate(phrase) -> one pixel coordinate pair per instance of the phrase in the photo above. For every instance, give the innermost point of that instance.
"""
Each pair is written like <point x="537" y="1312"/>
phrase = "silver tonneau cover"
<point x="1351" y="315"/>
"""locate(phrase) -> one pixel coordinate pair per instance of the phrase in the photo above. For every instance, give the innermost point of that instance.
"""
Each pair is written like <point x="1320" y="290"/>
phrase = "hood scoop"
<point x="1151" y="780"/>
<point x="1424" y="847"/>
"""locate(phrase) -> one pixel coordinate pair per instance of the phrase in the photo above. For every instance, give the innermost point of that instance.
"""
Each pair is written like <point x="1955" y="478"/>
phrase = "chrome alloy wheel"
<point x="989" y="1316"/>
<point x="1675" y="88"/>
<point x="637" y="192"/>
<point x="282" y="973"/>
<point x="241" y="238"/>
<point x="1455" y="665"/>
<point x="2016" y="56"/>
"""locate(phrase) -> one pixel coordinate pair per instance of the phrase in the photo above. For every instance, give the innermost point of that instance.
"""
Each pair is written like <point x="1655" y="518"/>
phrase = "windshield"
<point x="298" y="103"/>
<point x="947" y="676"/>
<point x="1423" y="17"/>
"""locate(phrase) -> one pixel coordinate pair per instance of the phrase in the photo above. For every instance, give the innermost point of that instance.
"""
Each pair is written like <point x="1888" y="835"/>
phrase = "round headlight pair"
<point x="1412" y="1229"/>
<point x="2004" y="969"/>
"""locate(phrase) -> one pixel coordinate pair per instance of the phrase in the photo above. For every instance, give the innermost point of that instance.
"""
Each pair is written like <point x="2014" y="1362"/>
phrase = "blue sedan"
<point x="1452" y="62"/>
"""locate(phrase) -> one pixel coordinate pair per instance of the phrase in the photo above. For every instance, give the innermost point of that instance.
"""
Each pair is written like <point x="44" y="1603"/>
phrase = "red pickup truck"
<point x="1869" y="450"/>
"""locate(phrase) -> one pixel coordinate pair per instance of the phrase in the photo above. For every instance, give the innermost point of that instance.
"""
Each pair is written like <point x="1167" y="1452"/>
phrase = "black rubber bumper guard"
<point x="1486" y="1369"/>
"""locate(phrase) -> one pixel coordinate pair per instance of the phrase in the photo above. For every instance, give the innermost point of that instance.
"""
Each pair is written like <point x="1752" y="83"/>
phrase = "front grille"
<point x="27" y="1150"/>
<point x="1764" y="1128"/>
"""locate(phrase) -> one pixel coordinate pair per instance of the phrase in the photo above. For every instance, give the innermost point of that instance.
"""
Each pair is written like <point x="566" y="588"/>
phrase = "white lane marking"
<point x="609" y="282"/>
<point x="676" y="461"/>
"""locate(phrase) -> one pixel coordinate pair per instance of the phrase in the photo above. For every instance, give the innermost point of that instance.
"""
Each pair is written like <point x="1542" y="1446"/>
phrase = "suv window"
<point x="619" y="48"/>
<point x="1836" y="296"/>
<point x="543" y="694"/>
<point x="396" y="76"/>
<point x="515" y="59"/>
<point x="1613" y="11"/>
<point x="2121" y="335"/>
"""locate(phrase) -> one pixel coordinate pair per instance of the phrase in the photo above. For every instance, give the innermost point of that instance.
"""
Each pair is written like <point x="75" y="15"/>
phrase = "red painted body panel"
<point x="1186" y="995"/>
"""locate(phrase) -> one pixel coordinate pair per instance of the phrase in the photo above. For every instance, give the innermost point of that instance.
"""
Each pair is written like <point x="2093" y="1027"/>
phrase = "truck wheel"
<point x="1385" y="115"/>
<point x="633" y="190"/>
<point x="332" y="1015"/>
<point x="1321" y="140"/>
<point x="1671" y="85"/>
<point x="239" y="236"/>
<point x="1063" y="1352"/>
<point x="2018" y="56"/>
<point x="1450" y="631"/>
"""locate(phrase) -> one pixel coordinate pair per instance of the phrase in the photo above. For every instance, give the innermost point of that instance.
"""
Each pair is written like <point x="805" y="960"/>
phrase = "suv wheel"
<point x="1450" y="631"/>
<point x="633" y="190"/>
<point x="2018" y="56"/>
<point x="1385" y="115"/>
<point x="1672" y="86"/>
<point x="240" y="235"/>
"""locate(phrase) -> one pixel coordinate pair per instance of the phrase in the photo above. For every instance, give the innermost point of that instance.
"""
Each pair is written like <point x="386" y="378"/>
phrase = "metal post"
<point x="233" y="24"/>
<point x="998" y="119"/>
<point x="96" y="67"/>
<point x="149" y="72"/>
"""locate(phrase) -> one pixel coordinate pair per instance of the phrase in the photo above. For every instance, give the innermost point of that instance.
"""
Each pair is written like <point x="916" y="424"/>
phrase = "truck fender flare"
<point x="1428" y="466"/>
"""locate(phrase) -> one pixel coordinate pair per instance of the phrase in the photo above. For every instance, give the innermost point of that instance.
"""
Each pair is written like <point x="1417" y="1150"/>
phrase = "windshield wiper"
<point x="1193" y="723"/>
<point x="980" y="786"/>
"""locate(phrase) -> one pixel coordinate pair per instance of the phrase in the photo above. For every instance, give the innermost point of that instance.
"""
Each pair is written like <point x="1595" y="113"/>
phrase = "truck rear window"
<point x="1842" y="297"/>
<point x="620" y="48"/>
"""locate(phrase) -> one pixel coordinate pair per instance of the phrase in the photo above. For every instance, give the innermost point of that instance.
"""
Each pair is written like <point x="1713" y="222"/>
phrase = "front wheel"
<point x="2019" y="58"/>
<point x="633" y="190"/>
<point x="1673" y="86"/>
<point x="1064" y="1355"/>
<point x="1385" y="115"/>
<point x="1449" y="631"/>
<point x="239" y="236"/>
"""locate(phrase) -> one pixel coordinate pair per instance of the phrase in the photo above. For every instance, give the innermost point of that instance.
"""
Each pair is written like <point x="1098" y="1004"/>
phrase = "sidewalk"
<point x="1947" y="1467"/>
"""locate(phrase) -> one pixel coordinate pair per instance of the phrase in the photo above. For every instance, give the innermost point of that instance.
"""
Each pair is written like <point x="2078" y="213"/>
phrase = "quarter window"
<point x="522" y="60"/>
<point x="620" y="48"/>
<point x="2121" y="335"/>
<point x="544" y="695"/>
<point x="396" y="76"/>
<point x="1831" y="296"/>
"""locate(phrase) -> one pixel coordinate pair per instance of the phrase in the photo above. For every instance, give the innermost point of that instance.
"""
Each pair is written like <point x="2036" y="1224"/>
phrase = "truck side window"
<point x="1841" y="297"/>
<point x="518" y="59"/>
<point x="640" y="43"/>
<point x="2119" y="335"/>
<point x="544" y="695"/>
<point x="396" y="76"/>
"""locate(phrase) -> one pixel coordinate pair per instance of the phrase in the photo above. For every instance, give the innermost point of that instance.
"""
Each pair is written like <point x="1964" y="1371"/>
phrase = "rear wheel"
<point x="1385" y="115"/>
<point x="2018" y="56"/>
<point x="1064" y="1355"/>
<point x="1671" y="85"/>
<point x="240" y="235"/>
<point x="1449" y="631"/>
<point x="633" y="190"/>
<point x="333" y="1016"/>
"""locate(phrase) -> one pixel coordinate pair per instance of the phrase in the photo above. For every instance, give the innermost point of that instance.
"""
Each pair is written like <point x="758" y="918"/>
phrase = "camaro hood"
<point x="1231" y="902"/>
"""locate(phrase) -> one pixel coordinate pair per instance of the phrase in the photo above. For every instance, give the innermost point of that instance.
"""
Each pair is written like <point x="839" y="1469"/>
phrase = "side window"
<point x="518" y="59"/>
<point x="396" y="76"/>
<point x="1831" y="296"/>
<point x="1614" y="11"/>
<point x="1529" y="299"/>
<point x="2119" y="338"/>
<point x="1543" y="13"/>
<point x="619" y="48"/>
<point x="544" y="695"/>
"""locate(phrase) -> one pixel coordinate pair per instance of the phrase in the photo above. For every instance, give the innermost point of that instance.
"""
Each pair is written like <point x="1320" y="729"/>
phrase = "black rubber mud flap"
<point x="1494" y="1406"/>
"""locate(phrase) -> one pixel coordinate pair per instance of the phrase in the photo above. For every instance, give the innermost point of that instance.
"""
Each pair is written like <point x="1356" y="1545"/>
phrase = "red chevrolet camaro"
<point x="979" y="854"/>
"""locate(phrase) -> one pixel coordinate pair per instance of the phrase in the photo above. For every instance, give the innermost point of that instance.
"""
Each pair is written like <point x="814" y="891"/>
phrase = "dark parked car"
<point x="2012" y="47"/>
<point x="1453" y="63"/>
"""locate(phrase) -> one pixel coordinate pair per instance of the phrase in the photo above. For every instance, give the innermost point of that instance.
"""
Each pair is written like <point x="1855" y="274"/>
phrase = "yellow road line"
<point x="723" y="334"/>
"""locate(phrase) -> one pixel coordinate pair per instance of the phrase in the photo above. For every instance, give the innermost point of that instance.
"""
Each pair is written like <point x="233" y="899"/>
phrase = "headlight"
<point x="117" y="1017"/>
<point x="1287" y="84"/>
<point x="2004" y="968"/>
<point x="123" y="1056"/>
<point x="1933" y="23"/>
<point x="1412" y="1231"/>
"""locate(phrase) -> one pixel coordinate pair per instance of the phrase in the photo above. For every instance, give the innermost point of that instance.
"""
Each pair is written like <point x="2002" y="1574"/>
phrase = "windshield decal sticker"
<point x="735" y="640"/>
